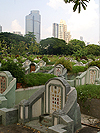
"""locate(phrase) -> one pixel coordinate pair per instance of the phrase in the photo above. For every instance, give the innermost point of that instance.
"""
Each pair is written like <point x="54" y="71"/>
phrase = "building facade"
<point x="33" y="24"/>
<point x="17" y="32"/>
<point x="60" y="31"/>
<point x="55" y="30"/>
<point x="0" y="28"/>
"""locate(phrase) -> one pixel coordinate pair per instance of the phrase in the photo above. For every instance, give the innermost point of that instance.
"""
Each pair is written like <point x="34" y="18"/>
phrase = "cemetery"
<point x="55" y="103"/>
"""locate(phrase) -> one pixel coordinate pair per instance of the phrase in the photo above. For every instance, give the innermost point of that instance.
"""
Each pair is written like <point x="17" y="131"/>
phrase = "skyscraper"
<point x="0" y="28"/>
<point x="33" y="23"/>
<point x="55" y="30"/>
<point x="60" y="31"/>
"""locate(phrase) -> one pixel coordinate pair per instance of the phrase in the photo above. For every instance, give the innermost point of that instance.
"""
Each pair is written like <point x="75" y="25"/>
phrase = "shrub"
<point x="45" y="59"/>
<point x="77" y="69"/>
<point x="88" y="91"/>
<point x="66" y="63"/>
<point x="35" y="79"/>
<point x="46" y="68"/>
<point x="15" y="69"/>
<point x="95" y="63"/>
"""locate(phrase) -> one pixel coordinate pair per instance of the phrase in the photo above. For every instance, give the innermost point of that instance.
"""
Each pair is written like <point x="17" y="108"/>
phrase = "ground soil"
<point x="19" y="128"/>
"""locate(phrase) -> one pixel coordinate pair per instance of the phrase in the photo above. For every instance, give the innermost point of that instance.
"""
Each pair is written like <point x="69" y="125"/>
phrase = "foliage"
<point x="95" y="63"/>
<point x="35" y="79"/>
<point x="84" y="61"/>
<point x="88" y="91"/>
<point x="45" y="59"/>
<point x="46" y="68"/>
<point x="78" y="4"/>
<point x="93" y="49"/>
<point x="66" y="63"/>
<point x="15" y="69"/>
<point x="52" y="46"/>
<point x="77" y="69"/>
<point x="76" y="47"/>
<point x="91" y="56"/>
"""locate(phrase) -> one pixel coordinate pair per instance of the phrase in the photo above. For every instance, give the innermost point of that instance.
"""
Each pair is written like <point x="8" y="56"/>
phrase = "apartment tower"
<point x="33" y="24"/>
<point x="60" y="31"/>
<point x="0" y="28"/>
<point x="55" y="30"/>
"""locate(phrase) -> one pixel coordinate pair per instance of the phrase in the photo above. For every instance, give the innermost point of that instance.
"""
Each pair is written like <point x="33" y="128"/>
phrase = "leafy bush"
<point x="84" y="62"/>
<point x="35" y="79"/>
<point x="91" y="56"/>
<point x="88" y="91"/>
<point x="95" y="63"/>
<point x="45" y="59"/>
<point x="77" y="69"/>
<point x="15" y="69"/>
<point x="66" y="63"/>
<point x="46" y="68"/>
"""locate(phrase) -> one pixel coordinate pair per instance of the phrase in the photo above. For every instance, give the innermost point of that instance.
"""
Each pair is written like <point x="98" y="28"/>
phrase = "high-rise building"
<point x="60" y="31"/>
<point x="63" y="34"/>
<point x="55" y="30"/>
<point x="33" y="23"/>
<point x="0" y="28"/>
<point x="17" y="32"/>
<point x="81" y="38"/>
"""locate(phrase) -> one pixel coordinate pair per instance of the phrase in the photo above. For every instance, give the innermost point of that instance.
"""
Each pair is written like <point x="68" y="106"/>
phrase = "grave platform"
<point x="88" y="120"/>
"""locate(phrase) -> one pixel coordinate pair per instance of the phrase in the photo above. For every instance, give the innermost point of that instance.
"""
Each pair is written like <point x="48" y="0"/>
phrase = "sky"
<point x="85" y="24"/>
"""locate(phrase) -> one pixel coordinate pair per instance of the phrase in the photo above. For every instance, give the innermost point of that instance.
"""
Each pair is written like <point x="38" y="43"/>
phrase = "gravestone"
<point x="54" y="105"/>
<point x="59" y="70"/>
<point x="89" y="76"/>
<point x="7" y="89"/>
<point x="8" y="114"/>
<point x="42" y="63"/>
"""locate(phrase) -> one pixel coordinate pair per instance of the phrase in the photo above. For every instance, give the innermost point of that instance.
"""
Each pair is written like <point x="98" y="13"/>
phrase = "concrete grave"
<point x="55" y="105"/>
<point x="7" y="89"/>
<point x="41" y="63"/>
<point x="88" y="77"/>
<point x="59" y="70"/>
<point x="79" y="64"/>
<point x="8" y="114"/>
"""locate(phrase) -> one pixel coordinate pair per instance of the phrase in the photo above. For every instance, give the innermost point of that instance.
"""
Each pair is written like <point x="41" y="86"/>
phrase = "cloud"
<point x="16" y="26"/>
<point x="55" y="4"/>
<point x="46" y="32"/>
<point x="85" y="23"/>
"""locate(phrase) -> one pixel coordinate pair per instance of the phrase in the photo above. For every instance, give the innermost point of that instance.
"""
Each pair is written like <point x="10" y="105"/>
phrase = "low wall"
<point x="90" y="107"/>
<point x="25" y="93"/>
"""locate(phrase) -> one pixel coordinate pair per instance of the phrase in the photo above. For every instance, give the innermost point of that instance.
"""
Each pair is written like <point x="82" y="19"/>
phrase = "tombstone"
<point x="7" y="89"/>
<point x="58" y="101"/>
<point x="93" y="72"/>
<point x="79" y="64"/>
<point x="8" y="113"/>
<point x="89" y="76"/>
<point x="32" y="67"/>
<point x="26" y="63"/>
<point x="15" y="60"/>
<point x="42" y="63"/>
<point x="59" y="70"/>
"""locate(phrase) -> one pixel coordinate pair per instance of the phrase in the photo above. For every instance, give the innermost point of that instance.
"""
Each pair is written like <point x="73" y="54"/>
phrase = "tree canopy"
<point x="78" y="4"/>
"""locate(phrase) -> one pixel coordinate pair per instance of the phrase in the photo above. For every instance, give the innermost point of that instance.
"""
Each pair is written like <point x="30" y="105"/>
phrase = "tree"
<point x="93" y="49"/>
<point x="33" y="46"/>
<point x="52" y="46"/>
<point x="75" y="46"/>
<point x="15" y="69"/>
<point x="78" y="4"/>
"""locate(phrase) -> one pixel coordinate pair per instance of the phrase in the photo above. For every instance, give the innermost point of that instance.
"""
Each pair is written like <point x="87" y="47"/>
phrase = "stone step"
<point x="37" y="126"/>
<point x="46" y="120"/>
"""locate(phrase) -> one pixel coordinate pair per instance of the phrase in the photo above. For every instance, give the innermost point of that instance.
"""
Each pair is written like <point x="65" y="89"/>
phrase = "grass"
<point x="35" y="79"/>
<point x="88" y="91"/>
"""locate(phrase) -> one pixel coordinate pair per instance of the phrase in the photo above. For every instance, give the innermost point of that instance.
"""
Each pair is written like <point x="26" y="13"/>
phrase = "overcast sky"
<point x="85" y="24"/>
